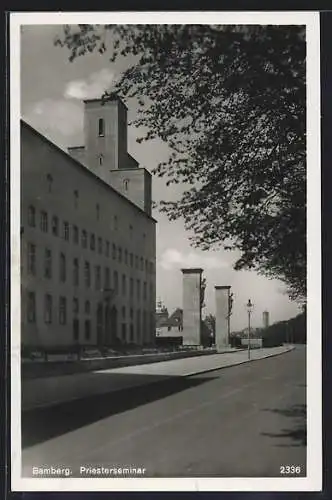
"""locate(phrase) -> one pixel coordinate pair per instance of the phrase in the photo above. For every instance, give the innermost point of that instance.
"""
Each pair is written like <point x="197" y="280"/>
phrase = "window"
<point x="92" y="242"/>
<point x="48" y="264"/>
<point x="62" y="268"/>
<point x="138" y="324"/>
<point x="131" y="333"/>
<point x="123" y="332"/>
<point x="124" y="285"/>
<point x="76" y="329"/>
<point x="87" y="329"/>
<point x="115" y="221"/>
<point x="131" y="260"/>
<point x="31" y="310"/>
<point x="101" y="130"/>
<point x="146" y="266"/>
<point x="100" y="160"/>
<point x="142" y="263"/>
<point x="55" y="225"/>
<point x="130" y="231"/>
<point x="75" y="235"/>
<point x="107" y="280"/>
<point x="120" y="254"/>
<point x="151" y="291"/>
<point x="126" y="256"/>
<point x="100" y="245"/>
<point x="123" y="311"/>
<point x="31" y="259"/>
<point x="87" y="307"/>
<point x="43" y="222"/>
<point x="62" y="310"/>
<point x="84" y="239"/>
<point x="87" y="276"/>
<point x="97" y="278"/>
<point x="75" y="305"/>
<point x="107" y="248"/>
<point x="126" y="184"/>
<point x="49" y="180"/>
<point x="48" y="308"/>
<point x="76" y="272"/>
<point x="31" y="216"/>
<point x="65" y="231"/>
<point x="97" y="211"/>
<point x="136" y="261"/>
<point x="138" y="289"/>
<point x="131" y="313"/>
<point x="131" y="288"/>
<point x="114" y="251"/>
<point x="144" y="290"/>
<point x="76" y="197"/>
<point x="116" y="281"/>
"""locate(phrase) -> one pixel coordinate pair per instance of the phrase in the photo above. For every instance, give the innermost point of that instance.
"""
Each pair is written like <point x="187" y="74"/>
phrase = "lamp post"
<point x="249" y="309"/>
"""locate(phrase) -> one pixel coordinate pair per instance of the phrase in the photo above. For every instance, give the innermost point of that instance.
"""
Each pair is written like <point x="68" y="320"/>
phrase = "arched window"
<point x="100" y="160"/>
<point x="101" y="131"/>
<point x="126" y="184"/>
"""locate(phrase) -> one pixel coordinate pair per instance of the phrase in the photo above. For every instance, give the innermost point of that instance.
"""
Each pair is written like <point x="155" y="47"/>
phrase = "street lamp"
<point x="250" y="307"/>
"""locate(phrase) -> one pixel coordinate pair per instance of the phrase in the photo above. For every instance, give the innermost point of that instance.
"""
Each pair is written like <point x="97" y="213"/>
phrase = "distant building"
<point x="168" y="326"/>
<point x="266" y="319"/>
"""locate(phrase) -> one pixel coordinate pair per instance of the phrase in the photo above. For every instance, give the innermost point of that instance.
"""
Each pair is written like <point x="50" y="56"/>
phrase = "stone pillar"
<point x="222" y="317"/>
<point x="192" y="312"/>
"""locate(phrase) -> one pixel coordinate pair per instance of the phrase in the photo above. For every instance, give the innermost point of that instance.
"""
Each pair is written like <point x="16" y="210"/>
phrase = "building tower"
<point x="265" y="319"/>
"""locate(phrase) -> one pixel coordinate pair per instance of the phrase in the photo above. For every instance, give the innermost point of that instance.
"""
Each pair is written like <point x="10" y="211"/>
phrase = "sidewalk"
<point x="38" y="393"/>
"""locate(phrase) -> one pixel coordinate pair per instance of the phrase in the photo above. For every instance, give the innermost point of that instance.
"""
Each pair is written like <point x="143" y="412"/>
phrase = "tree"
<point x="230" y="102"/>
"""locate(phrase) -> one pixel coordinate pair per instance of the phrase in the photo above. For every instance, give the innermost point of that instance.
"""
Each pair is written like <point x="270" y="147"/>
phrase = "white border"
<point x="313" y="481"/>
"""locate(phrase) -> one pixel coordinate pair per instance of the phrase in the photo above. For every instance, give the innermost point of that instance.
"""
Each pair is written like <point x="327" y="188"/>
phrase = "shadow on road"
<point x="296" y="432"/>
<point x="39" y="425"/>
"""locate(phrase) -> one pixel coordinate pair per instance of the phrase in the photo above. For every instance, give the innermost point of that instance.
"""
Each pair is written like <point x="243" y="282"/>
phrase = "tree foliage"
<point x="230" y="101"/>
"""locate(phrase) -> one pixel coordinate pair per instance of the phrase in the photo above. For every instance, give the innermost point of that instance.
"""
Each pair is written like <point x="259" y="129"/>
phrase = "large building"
<point x="88" y="241"/>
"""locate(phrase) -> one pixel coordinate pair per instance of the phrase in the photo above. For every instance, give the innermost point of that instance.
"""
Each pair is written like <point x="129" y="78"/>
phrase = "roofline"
<point x="105" y="100"/>
<point x="85" y="169"/>
<point x="225" y="287"/>
<point x="190" y="270"/>
<point x="76" y="147"/>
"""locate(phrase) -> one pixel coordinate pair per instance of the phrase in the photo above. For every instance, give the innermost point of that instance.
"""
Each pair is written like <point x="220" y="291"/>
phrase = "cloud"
<point x="92" y="87"/>
<point x="172" y="258"/>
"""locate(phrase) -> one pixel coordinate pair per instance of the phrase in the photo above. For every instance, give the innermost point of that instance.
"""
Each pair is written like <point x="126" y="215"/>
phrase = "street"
<point x="243" y="421"/>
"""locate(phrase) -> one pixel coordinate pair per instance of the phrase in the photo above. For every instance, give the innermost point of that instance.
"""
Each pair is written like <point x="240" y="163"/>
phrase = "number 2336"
<point x="290" y="469"/>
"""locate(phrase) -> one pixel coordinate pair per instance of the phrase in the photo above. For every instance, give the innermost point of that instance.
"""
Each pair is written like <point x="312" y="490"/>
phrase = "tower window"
<point x="100" y="159"/>
<point x="126" y="184"/>
<point x="101" y="131"/>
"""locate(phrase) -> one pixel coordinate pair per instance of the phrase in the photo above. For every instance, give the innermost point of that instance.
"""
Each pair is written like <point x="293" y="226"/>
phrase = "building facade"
<point x="88" y="241"/>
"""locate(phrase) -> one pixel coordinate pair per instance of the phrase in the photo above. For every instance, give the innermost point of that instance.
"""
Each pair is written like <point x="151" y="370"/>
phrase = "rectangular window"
<point x="87" y="329"/>
<point x="31" y="259"/>
<point x="48" y="264"/>
<point x="87" y="276"/>
<point x="65" y="233"/>
<point x="138" y="289"/>
<point x="131" y="288"/>
<point x="130" y="231"/>
<point x="97" y="278"/>
<point x="114" y="251"/>
<point x="43" y="222"/>
<point x="126" y="256"/>
<point x="32" y="216"/>
<point x="151" y="291"/>
<point x="146" y="266"/>
<point x="131" y="260"/>
<point x="75" y="235"/>
<point x="107" y="280"/>
<point x="92" y="242"/>
<point x="76" y="272"/>
<point x="136" y="261"/>
<point x="55" y="225"/>
<point x="75" y="305"/>
<point x="123" y="312"/>
<point x="31" y="303"/>
<point x="48" y="308"/>
<point x="62" y="268"/>
<point x="84" y="239"/>
<point x="107" y="248"/>
<point x="87" y="307"/>
<point x="116" y="281"/>
<point x="120" y="254"/>
<point x="101" y="131"/>
<point x="62" y="310"/>
<point x="100" y="245"/>
<point x="142" y="263"/>
<point x="144" y="290"/>
<point x="124" y="285"/>
<point x="115" y="222"/>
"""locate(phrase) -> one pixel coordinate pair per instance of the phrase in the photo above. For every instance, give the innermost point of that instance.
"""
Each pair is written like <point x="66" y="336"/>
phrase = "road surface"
<point x="243" y="421"/>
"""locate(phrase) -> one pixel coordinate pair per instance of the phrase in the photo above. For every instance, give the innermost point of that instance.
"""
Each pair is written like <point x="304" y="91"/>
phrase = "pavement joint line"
<point x="82" y="398"/>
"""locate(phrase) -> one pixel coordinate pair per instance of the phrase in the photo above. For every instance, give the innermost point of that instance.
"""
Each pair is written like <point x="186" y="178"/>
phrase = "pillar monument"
<point x="192" y="310"/>
<point x="222" y="316"/>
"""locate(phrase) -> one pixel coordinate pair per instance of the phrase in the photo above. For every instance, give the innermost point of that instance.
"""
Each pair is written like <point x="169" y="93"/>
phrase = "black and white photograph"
<point x="165" y="251"/>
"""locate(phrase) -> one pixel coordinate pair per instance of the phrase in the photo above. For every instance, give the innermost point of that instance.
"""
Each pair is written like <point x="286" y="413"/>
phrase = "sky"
<point x="52" y="90"/>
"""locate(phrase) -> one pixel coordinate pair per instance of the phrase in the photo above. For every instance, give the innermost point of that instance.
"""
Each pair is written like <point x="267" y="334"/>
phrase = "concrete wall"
<point x="41" y="158"/>
<point x="254" y="342"/>
<point x="135" y="184"/>
<point x="222" y="312"/>
<point x="192" y="314"/>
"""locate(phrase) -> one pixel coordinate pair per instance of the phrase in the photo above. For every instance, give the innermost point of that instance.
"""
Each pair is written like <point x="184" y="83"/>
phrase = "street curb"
<point x="238" y="364"/>
<point x="160" y="381"/>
